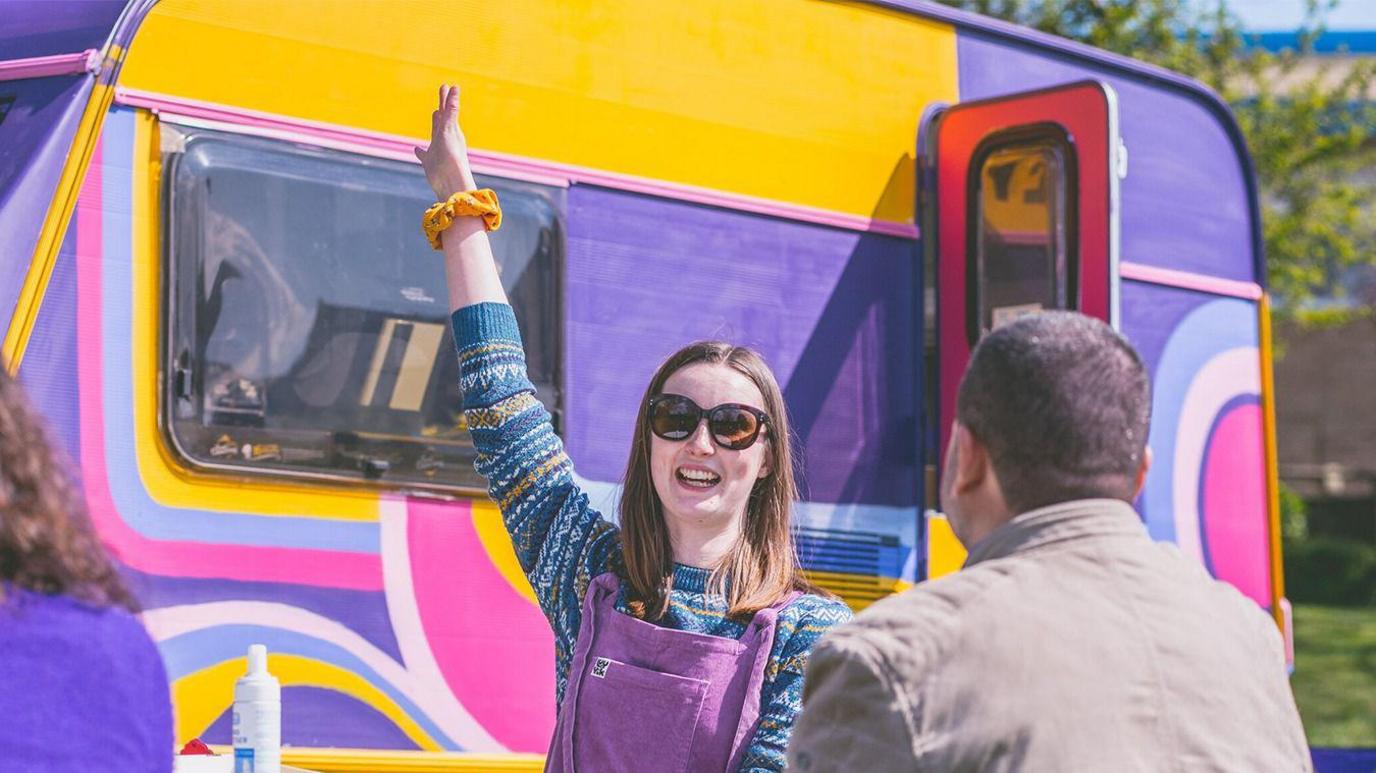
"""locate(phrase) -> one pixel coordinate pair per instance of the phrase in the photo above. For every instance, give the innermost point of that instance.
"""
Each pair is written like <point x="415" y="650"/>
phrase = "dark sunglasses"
<point x="732" y="425"/>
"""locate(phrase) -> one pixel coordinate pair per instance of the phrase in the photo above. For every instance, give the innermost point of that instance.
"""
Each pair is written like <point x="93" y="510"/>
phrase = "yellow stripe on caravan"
<point x="376" y="761"/>
<point x="1268" y="417"/>
<point x="202" y="696"/>
<point x="55" y="222"/>
<point x="858" y="590"/>
<point x="492" y="533"/>
<point x="165" y="480"/>
<point x="808" y="103"/>
<point x="945" y="554"/>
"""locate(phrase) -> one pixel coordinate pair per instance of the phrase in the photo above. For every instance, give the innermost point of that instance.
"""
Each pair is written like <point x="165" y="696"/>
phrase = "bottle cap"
<point x="257" y="684"/>
<point x="257" y="659"/>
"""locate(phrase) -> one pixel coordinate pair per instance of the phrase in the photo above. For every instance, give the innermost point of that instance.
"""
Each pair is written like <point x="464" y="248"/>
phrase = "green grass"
<point x="1335" y="674"/>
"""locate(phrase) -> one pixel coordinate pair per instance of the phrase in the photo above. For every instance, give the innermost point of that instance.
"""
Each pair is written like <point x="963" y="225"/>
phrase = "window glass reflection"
<point x="1020" y="236"/>
<point x="308" y="333"/>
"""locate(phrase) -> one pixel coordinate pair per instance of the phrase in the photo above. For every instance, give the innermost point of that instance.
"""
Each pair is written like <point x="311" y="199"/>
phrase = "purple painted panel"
<point x="834" y="312"/>
<point x="29" y="29"/>
<point x="363" y="612"/>
<point x="48" y="372"/>
<point x="1206" y="489"/>
<point x="1185" y="202"/>
<point x="1151" y="315"/>
<point x="35" y="137"/>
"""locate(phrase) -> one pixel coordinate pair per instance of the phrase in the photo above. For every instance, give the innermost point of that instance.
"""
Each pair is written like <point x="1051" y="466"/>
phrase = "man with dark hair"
<point x="1070" y="640"/>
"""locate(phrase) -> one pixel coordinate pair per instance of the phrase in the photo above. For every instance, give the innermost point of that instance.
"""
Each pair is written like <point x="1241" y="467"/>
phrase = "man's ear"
<point x="1142" y="473"/>
<point x="972" y="460"/>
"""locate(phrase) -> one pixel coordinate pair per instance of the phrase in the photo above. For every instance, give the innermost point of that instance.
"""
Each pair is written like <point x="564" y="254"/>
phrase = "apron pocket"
<point x="634" y="719"/>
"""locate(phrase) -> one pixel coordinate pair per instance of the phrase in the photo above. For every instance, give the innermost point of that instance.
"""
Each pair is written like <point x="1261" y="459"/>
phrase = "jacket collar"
<point x="1057" y="523"/>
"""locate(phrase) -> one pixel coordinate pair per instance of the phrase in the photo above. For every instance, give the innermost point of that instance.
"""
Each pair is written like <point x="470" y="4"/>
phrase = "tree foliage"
<point x="1310" y="123"/>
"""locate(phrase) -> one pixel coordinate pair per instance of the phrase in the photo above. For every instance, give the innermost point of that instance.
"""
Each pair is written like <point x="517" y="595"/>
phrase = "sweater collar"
<point x="691" y="578"/>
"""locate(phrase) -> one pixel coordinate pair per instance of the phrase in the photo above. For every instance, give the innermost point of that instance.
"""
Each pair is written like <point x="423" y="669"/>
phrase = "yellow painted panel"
<point x="364" y="761"/>
<point x="859" y="591"/>
<point x="1268" y="415"/>
<point x="202" y="696"/>
<point x="375" y="761"/>
<point x="945" y="554"/>
<point x="811" y="103"/>
<point x="166" y="482"/>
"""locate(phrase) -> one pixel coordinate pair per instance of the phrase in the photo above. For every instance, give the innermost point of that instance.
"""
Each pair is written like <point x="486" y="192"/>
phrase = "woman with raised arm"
<point x="680" y="637"/>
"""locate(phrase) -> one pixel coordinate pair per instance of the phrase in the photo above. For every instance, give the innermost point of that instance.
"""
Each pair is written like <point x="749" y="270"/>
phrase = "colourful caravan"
<point x="218" y="292"/>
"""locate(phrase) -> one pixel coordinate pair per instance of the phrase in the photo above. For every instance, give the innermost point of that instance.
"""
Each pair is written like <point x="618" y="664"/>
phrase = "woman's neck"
<point x="702" y="547"/>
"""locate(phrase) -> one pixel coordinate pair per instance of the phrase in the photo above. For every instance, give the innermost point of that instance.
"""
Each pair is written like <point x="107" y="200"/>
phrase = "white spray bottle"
<point x="257" y="717"/>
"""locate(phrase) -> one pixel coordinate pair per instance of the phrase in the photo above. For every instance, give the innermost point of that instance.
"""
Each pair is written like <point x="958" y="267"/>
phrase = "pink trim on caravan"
<point x="506" y="165"/>
<point x="260" y="124"/>
<point x="47" y="66"/>
<point x="1188" y="280"/>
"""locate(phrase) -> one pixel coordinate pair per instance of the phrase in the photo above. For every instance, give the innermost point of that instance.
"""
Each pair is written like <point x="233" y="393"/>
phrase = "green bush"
<point x="1328" y="571"/>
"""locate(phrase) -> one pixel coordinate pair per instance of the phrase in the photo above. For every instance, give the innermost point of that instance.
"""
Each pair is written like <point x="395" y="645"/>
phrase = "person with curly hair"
<point x="82" y="686"/>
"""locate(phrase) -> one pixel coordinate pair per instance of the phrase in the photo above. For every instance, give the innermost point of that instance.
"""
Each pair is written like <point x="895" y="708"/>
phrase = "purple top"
<point x="81" y="688"/>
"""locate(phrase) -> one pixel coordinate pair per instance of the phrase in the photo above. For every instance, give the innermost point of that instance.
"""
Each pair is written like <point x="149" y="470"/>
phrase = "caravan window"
<point x="308" y="327"/>
<point x="1022" y="207"/>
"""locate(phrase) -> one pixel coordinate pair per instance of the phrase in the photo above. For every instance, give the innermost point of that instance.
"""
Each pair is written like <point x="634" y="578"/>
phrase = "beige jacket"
<point x="1069" y="642"/>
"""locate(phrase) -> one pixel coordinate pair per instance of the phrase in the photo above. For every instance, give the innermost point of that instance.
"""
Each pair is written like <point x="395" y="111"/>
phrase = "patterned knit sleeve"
<point x="561" y="541"/>
<point x="781" y="695"/>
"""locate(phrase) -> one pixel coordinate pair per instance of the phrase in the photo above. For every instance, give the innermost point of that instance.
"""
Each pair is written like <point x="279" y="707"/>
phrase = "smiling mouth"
<point x="697" y="478"/>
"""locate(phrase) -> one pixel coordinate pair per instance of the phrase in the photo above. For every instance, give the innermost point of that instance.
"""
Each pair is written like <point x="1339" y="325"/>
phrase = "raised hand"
<point x="446" y="159"/>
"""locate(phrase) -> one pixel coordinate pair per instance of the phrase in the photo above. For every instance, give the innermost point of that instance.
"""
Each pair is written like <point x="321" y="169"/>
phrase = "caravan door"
<point x="1023" y="193"/>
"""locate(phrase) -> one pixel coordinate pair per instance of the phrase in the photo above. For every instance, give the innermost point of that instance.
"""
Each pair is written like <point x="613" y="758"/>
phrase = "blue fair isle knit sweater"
<point x="563" y="543"/>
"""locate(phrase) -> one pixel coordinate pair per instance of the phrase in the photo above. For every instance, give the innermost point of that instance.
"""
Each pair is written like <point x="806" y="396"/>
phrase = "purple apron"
<point x="646" y="699"/>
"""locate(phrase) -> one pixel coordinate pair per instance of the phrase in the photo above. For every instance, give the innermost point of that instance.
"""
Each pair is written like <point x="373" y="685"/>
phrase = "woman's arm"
<point x="469" y="267"/>
<point x="561" y="542"/>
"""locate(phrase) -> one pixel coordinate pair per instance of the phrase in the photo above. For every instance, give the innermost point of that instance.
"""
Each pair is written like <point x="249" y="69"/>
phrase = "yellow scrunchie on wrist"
<point x="482" y="203"/>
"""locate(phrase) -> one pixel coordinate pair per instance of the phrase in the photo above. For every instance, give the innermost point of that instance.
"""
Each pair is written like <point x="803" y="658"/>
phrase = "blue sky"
<point x="1277" y="15"/>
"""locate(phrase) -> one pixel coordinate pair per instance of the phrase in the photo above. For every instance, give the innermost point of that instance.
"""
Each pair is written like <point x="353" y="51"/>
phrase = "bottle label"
<point x="257" y="734"/>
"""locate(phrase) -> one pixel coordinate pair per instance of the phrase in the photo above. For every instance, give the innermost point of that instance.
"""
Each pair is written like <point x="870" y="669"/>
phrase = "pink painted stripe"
<point x="463" y="599"/>
<point x="333" y="569"/>
<point x="735" y="201"/>
<point x="1188" y="280"/>
<point x="46" y="66"/>
<point x="490" y="162"/>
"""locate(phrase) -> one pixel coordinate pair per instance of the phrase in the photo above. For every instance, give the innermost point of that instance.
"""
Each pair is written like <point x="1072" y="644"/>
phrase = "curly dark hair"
<point x="47" y="544"/>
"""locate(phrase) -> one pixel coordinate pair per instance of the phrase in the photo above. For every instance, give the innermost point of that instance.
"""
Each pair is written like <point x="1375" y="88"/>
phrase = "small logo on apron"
<point x="600" y="666"/>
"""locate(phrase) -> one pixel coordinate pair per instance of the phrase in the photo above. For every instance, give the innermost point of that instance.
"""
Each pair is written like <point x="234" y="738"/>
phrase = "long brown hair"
<point x="46" y="541"/>
<point x="763" y="564"/>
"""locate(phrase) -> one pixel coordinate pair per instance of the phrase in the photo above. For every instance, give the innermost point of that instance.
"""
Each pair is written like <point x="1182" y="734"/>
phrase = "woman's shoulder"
<point x="74" y="645"/>
<point x="83" y="625"/>
<point x="57" y="646"/>
<point x="817" y="610"/>
<point x="803" y="623"/>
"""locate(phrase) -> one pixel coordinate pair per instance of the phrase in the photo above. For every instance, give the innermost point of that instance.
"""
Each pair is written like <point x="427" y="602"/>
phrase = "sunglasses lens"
<point x="674" y="418"/>
<point x="734" y="428"/>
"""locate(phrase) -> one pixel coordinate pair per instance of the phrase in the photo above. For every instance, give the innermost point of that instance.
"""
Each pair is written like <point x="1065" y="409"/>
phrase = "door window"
<point x="1022" y="237"/>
